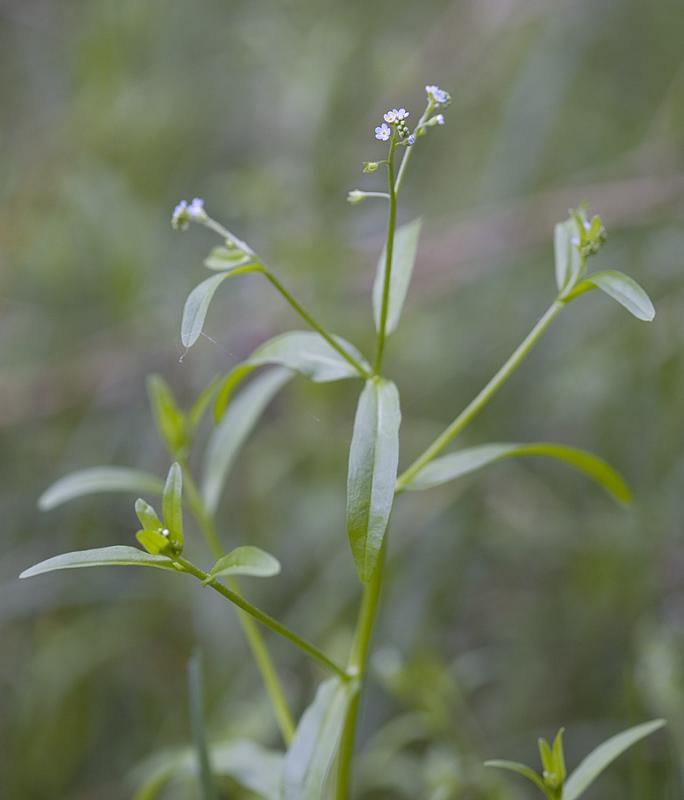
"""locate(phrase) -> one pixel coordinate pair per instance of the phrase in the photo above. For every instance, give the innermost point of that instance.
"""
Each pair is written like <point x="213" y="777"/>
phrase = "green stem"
<point x="265" y="619"/>
<point x="409" y="150"/>
<point x="269" y="675"/>
<point x="389" y="247"/>
<point x="306" y="316"/>
<point x="357" y="670"/>
<point x="260" y="266"/>
<point x="480" y="401"/>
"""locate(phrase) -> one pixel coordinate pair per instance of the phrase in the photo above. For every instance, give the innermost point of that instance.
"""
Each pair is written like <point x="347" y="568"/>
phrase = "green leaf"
<point x="245" y="560"/>
<point x="403" y="259"/>
<point x="147" y="516"/>
<point x="312" y="752"/>
<point x="373" y="459"/>
<point x="96" y="480"/>
<point x="172" y="503"/>
<point x="620" y="287"/>
<point x="545" y="755"/>
<point x="592" y="766"/>
<point x="521" y="769"/>
<point x="305" y="352"/>
<point x="567" y="257"/>
<point x="169" y="419"/>
<point x="202" y="403"/>
<point x="455" y="465"/>
<point x="153" y="541"/>
<point x="196" y="697"/>
<point x="221" y="258"/>
<point x="230" y="434"/>
<point x="559" y="756"/>
<point x="197" y="304"/>
<point x="118" y="555"/>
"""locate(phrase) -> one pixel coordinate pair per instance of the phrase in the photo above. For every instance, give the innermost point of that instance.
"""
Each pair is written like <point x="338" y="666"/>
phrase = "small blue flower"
<point x="383" y="132"/>
<point x="437" y="95"/>
<point x="411" y="139"/>
<point x="179" y="218"/>
<point x="196" y="210"/>
<point x="396" y="115"/>
<point x="440" y="119"/>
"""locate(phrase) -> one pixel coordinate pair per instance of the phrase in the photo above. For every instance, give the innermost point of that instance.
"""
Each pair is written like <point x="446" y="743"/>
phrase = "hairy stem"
<point x="263" y="660"/>
<point x="482" y="398"/>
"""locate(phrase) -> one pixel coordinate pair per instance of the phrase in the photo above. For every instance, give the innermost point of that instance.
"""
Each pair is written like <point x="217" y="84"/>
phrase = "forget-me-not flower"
<point x="439" y="96"/>
<point x="383" y="132"/>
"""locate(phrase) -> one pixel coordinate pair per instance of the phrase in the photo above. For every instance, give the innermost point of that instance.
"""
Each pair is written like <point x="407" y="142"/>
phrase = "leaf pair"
<point x="175" y="427"/>
<point x="576" y="239"/>
<point x="163" y="538"/>
<point x="552" y="782"/>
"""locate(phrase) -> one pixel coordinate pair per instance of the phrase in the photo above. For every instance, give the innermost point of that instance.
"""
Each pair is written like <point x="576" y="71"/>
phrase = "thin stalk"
<point x="409" y="149"/>
<point x="306" y="316"/>
<point x="264" y="618"/>
<point x="357" y="670"/>
<point x="263" y="660"/>
<point x="482" y="398"/>
<point x="389" y="247"/>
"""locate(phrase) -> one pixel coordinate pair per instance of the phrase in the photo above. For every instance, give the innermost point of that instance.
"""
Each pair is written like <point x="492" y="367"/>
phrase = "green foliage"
<point x="373" y="459"/>
<point x="172" y="505"/>
<point x="245" y="560"/>
<point x="118" y="555"/>
<point x="199" y="733"/>
<point x="463" y="462"/>
<point x="311" y="754"/>
<point x="403" y="259"/>
<point x="622" y="288"/>
<point x="98" y="480"/>
<point x="552" y="782"/>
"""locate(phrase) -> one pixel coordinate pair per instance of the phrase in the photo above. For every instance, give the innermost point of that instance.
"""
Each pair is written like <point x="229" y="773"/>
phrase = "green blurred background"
<point x="516" y="602"/>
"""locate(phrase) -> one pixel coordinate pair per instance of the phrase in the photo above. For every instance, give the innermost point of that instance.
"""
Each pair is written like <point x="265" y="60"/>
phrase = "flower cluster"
<point x="395" y="117"/>
<point x="438" y="96"/>
<point x="185" y="213"/>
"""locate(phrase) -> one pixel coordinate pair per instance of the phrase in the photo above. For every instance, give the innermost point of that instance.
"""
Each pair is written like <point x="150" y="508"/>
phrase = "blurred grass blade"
<point x="199" y="299"/>
<point x="172" y="503"/>
<point x="623" y="289"/>
<point x="203" y="401"/>
<point x="199" y="735"/>
<point x="373" y="459"/>
<point x="169" y="419"/>
<point x="245" y="560"/>
<point x="118" y="555"/>
<point x="591" y="767"/>
<point x="305" y="352"/>
<point x="96" y="480"/>
<point x="310" y="756"/>
<point x="463" y="462"/>
<point x="403" y="259"/>
<point x="251" y="766"/>
<point x="520" y="769"/>
<point x="233" y="430"/>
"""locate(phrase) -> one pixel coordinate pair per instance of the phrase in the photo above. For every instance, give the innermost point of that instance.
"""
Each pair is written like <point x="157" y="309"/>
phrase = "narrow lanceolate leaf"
<point x="246" y="560"/>
<point x="230" y="434"/>
<point x="566" y="253"/>
<point x="521" y="769"/>
<point x="403" y="259"/>
<point x="119" y="555"/>
<point x="455" y="465"/>
<point x="169" y="419"/>
<point x="594" y="764"/>
<point x="147" y="516"/>
<point x="623" y="289"/>
<point x="305" y="352"/>
<point x="202" y="403"/>
<point x="373" y="459"/>
<point x="199" y="299"/>
<point x="311" y="754"/>
<point x="96" y="480"/>
<point x="172" y="503"/>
